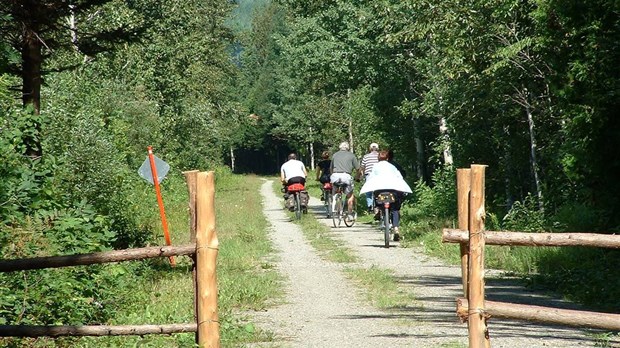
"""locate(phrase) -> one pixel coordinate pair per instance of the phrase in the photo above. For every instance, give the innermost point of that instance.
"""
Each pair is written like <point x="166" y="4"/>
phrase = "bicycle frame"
<point x="339" y="213"/>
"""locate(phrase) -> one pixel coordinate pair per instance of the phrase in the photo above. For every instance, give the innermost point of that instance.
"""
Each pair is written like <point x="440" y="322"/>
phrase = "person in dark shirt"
<point x="323" y="168"/>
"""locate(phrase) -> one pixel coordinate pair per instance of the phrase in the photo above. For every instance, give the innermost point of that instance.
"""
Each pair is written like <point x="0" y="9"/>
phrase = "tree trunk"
<point x="445" y="139"/>
<point x="351" y="147"/>
<point x="31" y="77"/>
<point x="232" y="159"/>
<point x="419" y="145"/>
<point x="311" y="154"/>
<point x="534" y="162"/>
<point x="507" y="171"/>
<point x="73" y="28"/>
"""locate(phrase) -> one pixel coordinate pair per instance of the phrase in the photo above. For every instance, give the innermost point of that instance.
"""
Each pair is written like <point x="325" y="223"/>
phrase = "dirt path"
<point x="325" y="309"/>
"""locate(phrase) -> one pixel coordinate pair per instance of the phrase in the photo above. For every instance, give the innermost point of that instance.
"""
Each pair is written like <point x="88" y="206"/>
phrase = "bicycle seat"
<point x="295" y="187"/>
<point x="340" y="184"/>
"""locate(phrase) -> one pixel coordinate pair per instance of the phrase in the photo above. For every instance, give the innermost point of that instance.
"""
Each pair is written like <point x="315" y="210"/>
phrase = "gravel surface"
<point x="325" y="309"/>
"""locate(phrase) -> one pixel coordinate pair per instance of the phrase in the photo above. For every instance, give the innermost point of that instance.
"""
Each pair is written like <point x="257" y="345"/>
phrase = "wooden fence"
<point x="203" y="252"/>
<point x="472" y="238"/>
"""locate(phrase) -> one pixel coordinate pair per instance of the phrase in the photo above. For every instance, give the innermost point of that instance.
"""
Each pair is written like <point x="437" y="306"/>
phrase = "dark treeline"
<point x="529" y="88"/>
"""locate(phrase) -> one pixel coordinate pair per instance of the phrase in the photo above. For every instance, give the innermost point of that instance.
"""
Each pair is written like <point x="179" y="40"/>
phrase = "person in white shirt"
<point x="293" y="171"/>
<point x="386" y="177"/>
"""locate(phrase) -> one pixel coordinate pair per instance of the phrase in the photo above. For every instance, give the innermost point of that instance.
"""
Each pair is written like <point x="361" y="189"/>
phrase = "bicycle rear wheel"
<point x="386" y="227"/>
<point x="337" y="211"/>
<point x="347" y="220"/>
<point x="297" y="206"/>
<point x="329" y="201"/>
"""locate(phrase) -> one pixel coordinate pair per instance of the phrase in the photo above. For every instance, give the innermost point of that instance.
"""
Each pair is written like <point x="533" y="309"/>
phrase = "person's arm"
<point x="318" y="171"/>
<point x="282" y="177"/>
<point x="358" y="169"/>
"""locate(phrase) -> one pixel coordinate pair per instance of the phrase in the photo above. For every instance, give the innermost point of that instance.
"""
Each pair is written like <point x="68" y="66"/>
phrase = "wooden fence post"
<point x="463" y="182"/>
<point x="206" y="256"/>
<point x="190" y="178"/>
<point x="477" y="326"/>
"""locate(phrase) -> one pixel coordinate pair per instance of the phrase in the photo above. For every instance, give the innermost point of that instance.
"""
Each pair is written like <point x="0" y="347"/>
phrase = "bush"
<point x="438" y="201"/>
<point x="525" y="216"/>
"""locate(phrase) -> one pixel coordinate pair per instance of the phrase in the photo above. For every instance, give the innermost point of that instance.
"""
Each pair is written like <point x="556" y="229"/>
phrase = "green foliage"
<point x="568" y="269"/>
<point x="525" y="216"/>
<point x="437" y="201"/>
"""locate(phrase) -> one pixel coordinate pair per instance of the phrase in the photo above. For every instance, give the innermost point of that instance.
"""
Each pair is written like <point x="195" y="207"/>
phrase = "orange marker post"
<point x="160" y="202"/>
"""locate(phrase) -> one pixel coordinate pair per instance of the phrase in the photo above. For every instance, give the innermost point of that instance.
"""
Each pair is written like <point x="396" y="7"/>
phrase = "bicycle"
<point x="384" y="200"/>
<point x="327" y="198"/>
<point x="295" y="190"/>
<point x="339" y="206"/>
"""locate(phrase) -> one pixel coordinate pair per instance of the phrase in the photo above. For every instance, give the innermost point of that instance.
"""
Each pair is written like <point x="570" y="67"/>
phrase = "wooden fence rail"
<point x="93" y="330"/>
<point x="95" y="258"/>
<point x="536" y="239"/>
<point x="472" y="237"/>
<point x="203" y="251"/>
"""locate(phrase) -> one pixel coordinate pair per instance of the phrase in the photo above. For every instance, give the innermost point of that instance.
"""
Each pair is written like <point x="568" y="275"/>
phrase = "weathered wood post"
<point x="190" y="178"/>
<point x="478" y="331"/>
<point x="463" y="182"/>
<point x="206" y="255"/>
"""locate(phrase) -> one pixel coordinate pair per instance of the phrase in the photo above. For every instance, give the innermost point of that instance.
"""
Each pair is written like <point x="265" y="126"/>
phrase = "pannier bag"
<point x="385" y="197"/>
<point x="304" y="197"/>
<point x="289" y="203"/>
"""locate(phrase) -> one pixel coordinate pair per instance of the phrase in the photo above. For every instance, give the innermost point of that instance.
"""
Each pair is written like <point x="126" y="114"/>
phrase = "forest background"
<point x="529" y="88"/>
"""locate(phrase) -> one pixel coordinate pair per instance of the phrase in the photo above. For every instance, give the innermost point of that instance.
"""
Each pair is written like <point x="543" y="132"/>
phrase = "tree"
<point x="38" y="29"/>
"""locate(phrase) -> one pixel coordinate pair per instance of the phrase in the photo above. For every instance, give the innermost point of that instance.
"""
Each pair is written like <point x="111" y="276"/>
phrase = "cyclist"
<point x="323" y="169"/>
<point x="343" y="165"/>
<point x="292" y="171"/>
<point x="386" y="177"/>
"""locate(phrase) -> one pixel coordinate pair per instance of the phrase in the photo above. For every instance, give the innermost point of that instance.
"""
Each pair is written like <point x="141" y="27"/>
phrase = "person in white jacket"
<point x="386" y="177"/>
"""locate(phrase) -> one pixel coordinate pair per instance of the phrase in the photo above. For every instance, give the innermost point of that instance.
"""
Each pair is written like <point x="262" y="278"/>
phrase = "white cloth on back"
<point x="385" y="176"/>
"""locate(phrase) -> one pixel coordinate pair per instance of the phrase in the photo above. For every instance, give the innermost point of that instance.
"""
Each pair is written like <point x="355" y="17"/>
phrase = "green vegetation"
<point x="319" y="235"/>
<point x="150" y="292"/>
<point x="527" y="88"/>
<point x="381" y="288"/>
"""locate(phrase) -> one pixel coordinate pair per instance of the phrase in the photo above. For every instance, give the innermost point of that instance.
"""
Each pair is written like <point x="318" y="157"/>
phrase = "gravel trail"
<point x="325" y="309"/>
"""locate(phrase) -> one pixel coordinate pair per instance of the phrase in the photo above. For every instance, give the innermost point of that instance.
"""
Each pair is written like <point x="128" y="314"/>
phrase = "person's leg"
<point x="350" y="196"/>
<point x="351" y="202"/>
<point x="369" y="201"/>
<point x="396" y="217"/>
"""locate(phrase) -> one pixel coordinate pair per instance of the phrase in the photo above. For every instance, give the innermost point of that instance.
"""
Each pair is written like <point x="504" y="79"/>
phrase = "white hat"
<point x="374" y="146"/>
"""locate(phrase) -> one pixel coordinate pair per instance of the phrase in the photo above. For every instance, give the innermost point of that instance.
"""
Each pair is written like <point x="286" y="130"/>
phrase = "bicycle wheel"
<point x="297" y="206"/>
<point x="329" y="201"/>
<point x="386" y="226"/>
<point x="348" y="222"/>
<point x="337" y="210"/>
